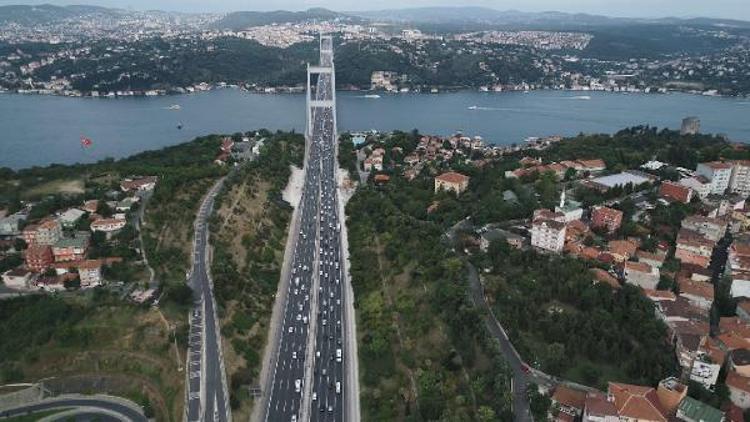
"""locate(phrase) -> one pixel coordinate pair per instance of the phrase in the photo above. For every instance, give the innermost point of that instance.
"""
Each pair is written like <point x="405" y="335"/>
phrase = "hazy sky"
<point x="738" y="9"/>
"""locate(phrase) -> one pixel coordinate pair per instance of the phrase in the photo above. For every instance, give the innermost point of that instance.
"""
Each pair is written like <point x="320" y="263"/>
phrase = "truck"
<point x="338" y="355"/>
<point x="297" y="385"/>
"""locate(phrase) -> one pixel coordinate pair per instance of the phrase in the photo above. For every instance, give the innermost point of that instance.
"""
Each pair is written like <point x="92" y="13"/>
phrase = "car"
<point x="314" y="396"/>
<point x="330" y="409"/>
<point x="294" y="355"/>
<point x="291" y="330"/>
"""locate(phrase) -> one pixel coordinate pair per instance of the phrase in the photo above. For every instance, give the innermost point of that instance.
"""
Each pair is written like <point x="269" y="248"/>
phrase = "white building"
<point x="705" y="373"/>
<point x="548" y="235"/>
<point x="641" y="274"/>
<point x="740" y="181"/>
<point x="699" y="184"/>
<point x="718" y="173"/>
<point x="17" y="278"/>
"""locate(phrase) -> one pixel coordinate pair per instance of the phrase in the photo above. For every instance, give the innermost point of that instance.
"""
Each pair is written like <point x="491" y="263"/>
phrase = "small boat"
<point x="174" y="107"/>
<point x="372" y="96"/>
<point x="473" y="107"/>
<point x="179" y="125"/>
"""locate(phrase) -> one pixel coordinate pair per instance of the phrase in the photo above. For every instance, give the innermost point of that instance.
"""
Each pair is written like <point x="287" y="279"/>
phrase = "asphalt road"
<point x="110" y="407"/>
<point x="307" y="379"/>
<point x="208" y="397"/>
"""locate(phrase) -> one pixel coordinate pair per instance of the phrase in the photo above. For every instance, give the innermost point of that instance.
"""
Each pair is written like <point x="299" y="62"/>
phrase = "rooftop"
<point x="452" y="177"/>
<point x="621" y="179"/>
<point x="699" y="411"/>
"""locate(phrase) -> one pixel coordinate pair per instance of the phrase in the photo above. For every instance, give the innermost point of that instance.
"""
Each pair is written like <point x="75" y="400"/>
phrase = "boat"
<point x="179" y="125"/>
<point x="473" y="107"/>
<point x="582" y="97"/>
<point x="374" y="96"/>
<point x="174" y="107"/>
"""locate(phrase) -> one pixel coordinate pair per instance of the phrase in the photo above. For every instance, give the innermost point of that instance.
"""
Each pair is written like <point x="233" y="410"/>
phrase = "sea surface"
<point x="39" y="130"/>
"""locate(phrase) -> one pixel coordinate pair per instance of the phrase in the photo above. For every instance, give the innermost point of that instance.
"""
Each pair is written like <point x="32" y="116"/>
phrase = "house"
<point x="17" y="278"/>
<point x="676" y="192"/>
<point x="740" y="361"/>
<point x="71" y="248"/>
<point x="700" y="185"/>
<point x="637" y="403"/>
<point x="694" y="248"/>
<point x="698" y="293"/>
<point x="90" y="206"/>
<point x="739" y="390"/>
<point x="381" y="179"/>
<point x="705" y="371"/>
<point x="38" y="257"/>
<point x="47" y="232"/>
<point x="11" y="225"/>
<point x="548" y="235"/>
<point x="126" y="204"/>
<point x="70" y="217"/>
<point x="568" y="401"/>
<point x="593" y="165"/>
<point x="679" y="310"/>
<point x="652" y="259"/>
<point x="601" y="276"/>
<point x="607" y="218"/>
<point x="140" y="184"/>
<point x="657" y="296"/>
<point x="108" y="225"/>
<point x="711" y="228"/>
<point x="90" y="272"/>
<point x="600" y="407"/>
<point x="718" y="173"/>
<point x="622" y="250"/>
<point x="452" y="181"/>
<point x="692" y="410"/>
<point x="670" y="393"/>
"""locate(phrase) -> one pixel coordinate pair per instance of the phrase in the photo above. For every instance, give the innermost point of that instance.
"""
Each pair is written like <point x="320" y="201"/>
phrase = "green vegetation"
<point x="423" y="351"/>
<point x="249" y="232"/>
<point x="90" y="340"/>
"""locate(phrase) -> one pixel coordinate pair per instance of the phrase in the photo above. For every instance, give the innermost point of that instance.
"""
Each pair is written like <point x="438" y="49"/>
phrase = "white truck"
<point x="338" y="355"/>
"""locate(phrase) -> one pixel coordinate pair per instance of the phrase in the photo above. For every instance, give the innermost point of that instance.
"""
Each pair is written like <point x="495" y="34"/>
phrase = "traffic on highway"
<point x="307" y="380"/>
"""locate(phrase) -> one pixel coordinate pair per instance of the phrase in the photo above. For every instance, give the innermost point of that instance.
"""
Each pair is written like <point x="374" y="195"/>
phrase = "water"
<point x="39" y="130"/>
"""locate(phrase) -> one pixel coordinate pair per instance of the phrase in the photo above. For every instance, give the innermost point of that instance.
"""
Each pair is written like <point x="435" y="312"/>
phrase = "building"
<point x="705" y="371"/>
<point x="693" y="248"/>
<point x="718" y="173"/>
<point x="570" y="209"/>
<point x="496" y="235"/>
<point x="637" y="403"/>
<point x="383" y="79"/>
<point x="675" y="192"/>
<point x="452" y="181"/>
<point x="739" y="390"/>
<point x="17" y="278"/>
<point x="740" y="361"/>
<point x="548" y="235"/>
<point x="652" y="259"/>
<point x="47" y="232"/>
<point x="712" y="228"/>
<point x="631" y="177"/>
<point x="70" y="249"/>
<point x="670" y="393"/>
<point x="70" y="217"/>
<point x="90" y="272"/>
<point x="698" y="293"/>
<point x="692" y="410"/>
<point x="691" y="125"/>
<point x="607" y="218"/>
<point x="568" y="401"/>
<point x="108" y="225"/>
<point x="641" y="274"/>
<point x="740" y="180"/>
<point x="39" y="257"/>
<point x="141" y="184"/>
<point x="600" y="407"/>
<point x="699" y="184"/>
<point x="11" y="225"/>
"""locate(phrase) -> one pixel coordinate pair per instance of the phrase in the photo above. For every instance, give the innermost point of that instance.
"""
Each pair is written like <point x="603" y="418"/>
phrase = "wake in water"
<point x="479" y="108"/>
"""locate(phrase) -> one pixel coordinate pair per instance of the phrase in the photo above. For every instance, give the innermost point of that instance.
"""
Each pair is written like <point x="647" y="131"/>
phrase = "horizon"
<point x="726" y="11"/>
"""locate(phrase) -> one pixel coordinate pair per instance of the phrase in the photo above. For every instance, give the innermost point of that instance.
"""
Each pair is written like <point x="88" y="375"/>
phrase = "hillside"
<point x="239" y="20"/>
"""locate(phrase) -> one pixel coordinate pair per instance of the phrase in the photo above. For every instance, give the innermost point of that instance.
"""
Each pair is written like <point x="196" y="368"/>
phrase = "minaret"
<point x="562" y="199"/>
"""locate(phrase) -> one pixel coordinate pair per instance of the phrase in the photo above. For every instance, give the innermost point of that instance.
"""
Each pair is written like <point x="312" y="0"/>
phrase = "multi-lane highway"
<point x="307" y="380"/>
<point x="207" y="394"/>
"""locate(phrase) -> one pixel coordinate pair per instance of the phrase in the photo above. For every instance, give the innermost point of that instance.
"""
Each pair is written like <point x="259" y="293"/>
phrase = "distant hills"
<point x="47" y="13"/>
<point x="239" y="20"/>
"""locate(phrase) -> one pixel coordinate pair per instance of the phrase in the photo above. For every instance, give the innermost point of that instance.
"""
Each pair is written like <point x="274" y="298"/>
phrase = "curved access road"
<point x="111" y="408"/>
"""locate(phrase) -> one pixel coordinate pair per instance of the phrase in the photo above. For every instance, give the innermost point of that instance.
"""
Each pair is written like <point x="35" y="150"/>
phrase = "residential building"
<point x="700" y="185"/>
<point x="691" y="125"/>
<point x="452" y="181"/>
<point x="607" y="218"/>
<point x="718" y="173"/>
<point x="641" y="274"/>
<point x="600" y="407"/>
<point x="90" y="206"/>
<point x="568" y="401"/>
<point x="47" y="232"/>
<point x="38" y="257"/>
<point x="548" y="235"/>
<point x="593" y="165"/>
<point x="11" y="225"/>
<point x="670" y="393"/>
<point x="692" y="410"/>
<point x="740" y="361"/>
<point x="637" y="403"/>
<point x="17" y="278"/>
<point x="739" y="390"/>
<point x="70" y="217"/>
<point x="108" y="225"/>
<point x="139" y="184"/>
<point x="602" y="276"/>
<point x="72" y="248"/>
<point x="652" y="259"/>
<point x="90" y="272"/>
<point x="740" y="181"/>
<point x="621" y="250"/>
<point x="675" y="192"/>
<point x="712" y="228"/>
<point x="694" y="248"/>
<point x="698" y="293"/>
<point x="705" y="371"/>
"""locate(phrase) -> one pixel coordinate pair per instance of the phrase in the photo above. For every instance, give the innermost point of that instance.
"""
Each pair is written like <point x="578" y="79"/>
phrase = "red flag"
<point x="85" y="142"/>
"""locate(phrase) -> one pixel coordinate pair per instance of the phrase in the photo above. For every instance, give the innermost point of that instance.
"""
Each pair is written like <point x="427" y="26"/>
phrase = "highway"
<point x="307" y="380"/>
<point x="207" y="393"/>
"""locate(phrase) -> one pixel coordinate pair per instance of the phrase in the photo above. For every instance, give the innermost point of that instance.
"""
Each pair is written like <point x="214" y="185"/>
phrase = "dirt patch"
<point x="70" y="187"/>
